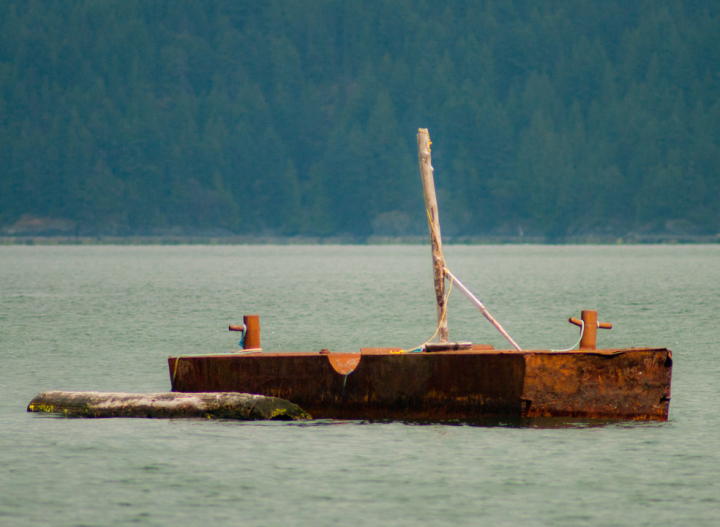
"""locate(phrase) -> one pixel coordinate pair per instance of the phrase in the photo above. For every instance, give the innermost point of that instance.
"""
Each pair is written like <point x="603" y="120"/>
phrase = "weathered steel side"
<point x="464" y="385"/>
<point x="438" y="386"/>
<point x="630" y="384"/>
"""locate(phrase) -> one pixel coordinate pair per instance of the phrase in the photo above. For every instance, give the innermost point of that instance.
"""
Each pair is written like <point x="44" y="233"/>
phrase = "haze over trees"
<point x="293" y="117"/>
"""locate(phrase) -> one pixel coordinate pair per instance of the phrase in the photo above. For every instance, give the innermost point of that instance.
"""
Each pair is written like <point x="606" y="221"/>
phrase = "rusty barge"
<point x="444" y="381"/>
<point x="445" y="385"/>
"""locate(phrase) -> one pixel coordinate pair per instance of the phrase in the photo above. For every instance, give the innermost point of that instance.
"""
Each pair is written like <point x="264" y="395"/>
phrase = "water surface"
<point x="106" y="318"/>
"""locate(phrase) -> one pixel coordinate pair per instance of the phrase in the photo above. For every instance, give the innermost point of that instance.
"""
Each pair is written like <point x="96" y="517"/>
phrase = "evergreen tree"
<point x="289" y="117"/>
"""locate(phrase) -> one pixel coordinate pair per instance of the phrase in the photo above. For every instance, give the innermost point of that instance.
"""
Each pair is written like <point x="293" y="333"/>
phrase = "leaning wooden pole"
<point x="426" y="172"/>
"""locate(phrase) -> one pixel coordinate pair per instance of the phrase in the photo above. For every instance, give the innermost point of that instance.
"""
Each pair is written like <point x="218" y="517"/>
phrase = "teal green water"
<point x="106" y="318"/>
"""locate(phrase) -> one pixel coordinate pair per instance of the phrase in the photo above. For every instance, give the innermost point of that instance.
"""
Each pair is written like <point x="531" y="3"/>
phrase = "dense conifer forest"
<point x="298" y="117"/>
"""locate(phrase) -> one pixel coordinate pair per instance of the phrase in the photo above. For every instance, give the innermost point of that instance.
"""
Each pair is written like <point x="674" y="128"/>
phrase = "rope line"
<point x="582" y="332"/>
<point x="443" y="316"/>
<point x="442" y="319"/>
<point x="242" y="338"/>
<point x="437" y="237"/>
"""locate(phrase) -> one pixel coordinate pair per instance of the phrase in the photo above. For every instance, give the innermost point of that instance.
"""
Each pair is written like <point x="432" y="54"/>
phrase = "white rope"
<point x="582" y="331"/>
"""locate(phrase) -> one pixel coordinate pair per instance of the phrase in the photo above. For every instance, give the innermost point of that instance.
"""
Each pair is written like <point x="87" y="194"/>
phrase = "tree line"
<point x="289" y="117"/>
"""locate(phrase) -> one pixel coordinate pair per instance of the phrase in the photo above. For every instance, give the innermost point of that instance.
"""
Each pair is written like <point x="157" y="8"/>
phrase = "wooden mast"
<point x="426" y="172"/>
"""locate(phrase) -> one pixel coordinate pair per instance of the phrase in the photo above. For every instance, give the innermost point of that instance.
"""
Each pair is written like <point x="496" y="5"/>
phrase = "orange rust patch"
<point x="344" y="363"/>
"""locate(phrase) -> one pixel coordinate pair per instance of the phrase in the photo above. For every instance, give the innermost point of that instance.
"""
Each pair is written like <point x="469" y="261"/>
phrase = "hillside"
<point x="548" y="118"/>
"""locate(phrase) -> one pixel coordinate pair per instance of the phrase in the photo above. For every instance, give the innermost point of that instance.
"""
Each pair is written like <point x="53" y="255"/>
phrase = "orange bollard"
<point x="589" y="336"/>
<point x="252" y="334"/>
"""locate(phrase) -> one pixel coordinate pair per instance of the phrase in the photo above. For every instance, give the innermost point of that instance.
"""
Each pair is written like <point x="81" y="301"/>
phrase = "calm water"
<point x="106" y="318"/>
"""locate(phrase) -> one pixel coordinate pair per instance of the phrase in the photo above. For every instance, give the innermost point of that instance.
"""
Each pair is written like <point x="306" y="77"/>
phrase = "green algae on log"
<point x="223" y="405"/>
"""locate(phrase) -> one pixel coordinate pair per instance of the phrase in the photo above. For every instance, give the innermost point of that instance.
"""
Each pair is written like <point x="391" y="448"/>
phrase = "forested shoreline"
<point x="550" y="119"/>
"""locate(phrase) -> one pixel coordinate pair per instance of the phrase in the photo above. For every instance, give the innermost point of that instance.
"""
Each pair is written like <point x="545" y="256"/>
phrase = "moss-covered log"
<point x="224" y="405"/>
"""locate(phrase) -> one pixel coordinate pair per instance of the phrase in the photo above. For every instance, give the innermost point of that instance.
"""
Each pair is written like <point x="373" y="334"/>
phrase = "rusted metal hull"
<point x="453" y="385"/>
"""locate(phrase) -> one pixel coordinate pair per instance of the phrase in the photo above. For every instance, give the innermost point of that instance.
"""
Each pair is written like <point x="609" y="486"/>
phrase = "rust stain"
<point x="634" y="384"/>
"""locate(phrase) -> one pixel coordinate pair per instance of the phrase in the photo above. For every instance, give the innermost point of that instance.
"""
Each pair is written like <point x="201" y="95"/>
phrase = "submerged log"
<point x="224" y="405"/>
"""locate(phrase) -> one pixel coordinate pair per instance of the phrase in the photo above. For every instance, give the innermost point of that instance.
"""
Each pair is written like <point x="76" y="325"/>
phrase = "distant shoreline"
<point x="630" y="239"/>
